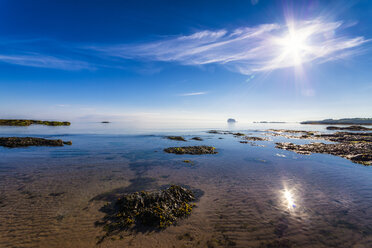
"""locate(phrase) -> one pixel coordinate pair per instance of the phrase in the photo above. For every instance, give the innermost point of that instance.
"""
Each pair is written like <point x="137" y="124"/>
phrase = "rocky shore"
<point x="356" y="147"/>
<point x="13" y="142"/>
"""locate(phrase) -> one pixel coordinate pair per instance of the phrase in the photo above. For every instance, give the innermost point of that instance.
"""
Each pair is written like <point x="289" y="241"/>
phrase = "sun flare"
<point x="294" y="45"/>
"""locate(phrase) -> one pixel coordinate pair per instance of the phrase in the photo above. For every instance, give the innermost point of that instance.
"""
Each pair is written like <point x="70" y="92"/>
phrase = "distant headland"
<point x="345" y="121"/>
<point x="21" y="122"/>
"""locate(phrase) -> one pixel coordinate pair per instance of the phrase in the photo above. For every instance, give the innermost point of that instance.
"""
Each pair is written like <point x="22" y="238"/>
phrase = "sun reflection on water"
<point x="289" y="199"/>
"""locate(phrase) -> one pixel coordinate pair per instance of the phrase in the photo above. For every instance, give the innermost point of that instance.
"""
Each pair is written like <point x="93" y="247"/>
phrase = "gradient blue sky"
<point x="184" y="60"/>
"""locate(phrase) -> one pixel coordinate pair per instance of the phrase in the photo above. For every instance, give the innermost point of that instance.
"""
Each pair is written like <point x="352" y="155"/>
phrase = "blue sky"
<point x="185" y="60"/>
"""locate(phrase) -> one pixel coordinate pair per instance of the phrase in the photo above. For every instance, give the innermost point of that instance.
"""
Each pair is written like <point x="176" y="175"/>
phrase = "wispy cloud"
<point x="45" y="61"/>
<point x="249" y="49"/>
<point x="193" y="94"/>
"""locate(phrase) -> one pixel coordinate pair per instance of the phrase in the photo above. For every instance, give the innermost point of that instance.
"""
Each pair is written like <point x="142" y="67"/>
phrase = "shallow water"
<point x="252" y="196"/>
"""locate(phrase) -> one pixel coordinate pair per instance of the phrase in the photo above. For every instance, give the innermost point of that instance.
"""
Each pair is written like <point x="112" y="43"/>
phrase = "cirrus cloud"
<point x="247" y="49"/>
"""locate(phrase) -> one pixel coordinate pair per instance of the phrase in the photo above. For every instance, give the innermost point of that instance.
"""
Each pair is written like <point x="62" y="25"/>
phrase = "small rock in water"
<point x="178" y="138"/>
<point x="193" y="150"/>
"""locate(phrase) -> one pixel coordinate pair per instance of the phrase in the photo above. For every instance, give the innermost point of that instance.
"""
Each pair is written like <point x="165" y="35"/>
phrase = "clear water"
<point x="253" y="196"/>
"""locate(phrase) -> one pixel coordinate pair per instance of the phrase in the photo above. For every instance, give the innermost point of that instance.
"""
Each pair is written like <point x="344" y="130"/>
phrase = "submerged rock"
<point x="178" y="138"/>
<point x="16" y="122"/>
<point x="158" y="209"/>
<point x="13" y="142"/>
<point x="188" y="161"/>
<point x="193" y="150"/>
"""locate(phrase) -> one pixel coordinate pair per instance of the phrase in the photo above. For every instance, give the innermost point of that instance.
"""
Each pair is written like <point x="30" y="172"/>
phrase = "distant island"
<point x="269" y="122"/>
<point x="231" y="120"/>
<point x="105" y="122"/>
<point x="20" y="122"/>
<point x="345" y="121"/>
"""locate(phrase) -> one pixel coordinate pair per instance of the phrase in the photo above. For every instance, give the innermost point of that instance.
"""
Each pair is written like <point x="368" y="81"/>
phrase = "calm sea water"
<point x="252" y="195"/>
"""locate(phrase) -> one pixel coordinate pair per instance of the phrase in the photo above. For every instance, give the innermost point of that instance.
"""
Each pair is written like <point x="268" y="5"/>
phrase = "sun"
<point x="294" y="46"/>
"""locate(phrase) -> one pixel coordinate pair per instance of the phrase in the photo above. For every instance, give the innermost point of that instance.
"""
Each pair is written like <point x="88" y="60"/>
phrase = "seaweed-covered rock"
<point x="197" y="138"/>
<point x="358" y="152"/>
<point x="238" y="134"/>
<point x="346" y="137"/>
<point x="158" y="209"/>
<point x="193" y="150"/>
<point x="219" y="132"/>
<point x="178" y="138"/>
<point x="349" y="128"/>
<point x="13" y="142"/>
<point x="16" y="122"/>
<point x="253" y="138"/>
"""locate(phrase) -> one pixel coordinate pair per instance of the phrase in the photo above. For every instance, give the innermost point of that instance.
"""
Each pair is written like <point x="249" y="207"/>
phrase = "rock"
<point x="238" y="134"/>
<point x="105" y="122"/>
<point x="231" y="120"/>
<point x="16" y="122"/>
<point x="360" y="152"/>
<point x="158" y="209"/>
<point x="219" y="132"/>
<point x="349" y="128"/>
<point x="355" y="146"/>
<point x="346" y="137"/>
<point x="178" y="138"/>
<point x="193" y="150"/>
<point x="252" y="138"/>
<point x="197" y="138"/>
<point x="13" y="142"/>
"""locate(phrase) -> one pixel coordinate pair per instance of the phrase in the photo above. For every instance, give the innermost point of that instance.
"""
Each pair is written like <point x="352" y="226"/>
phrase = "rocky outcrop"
<point x="360" y="152"/>
<point x="13" y="142"/>
<point x="16" y="122"/>
<point x="350" y="128"/>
